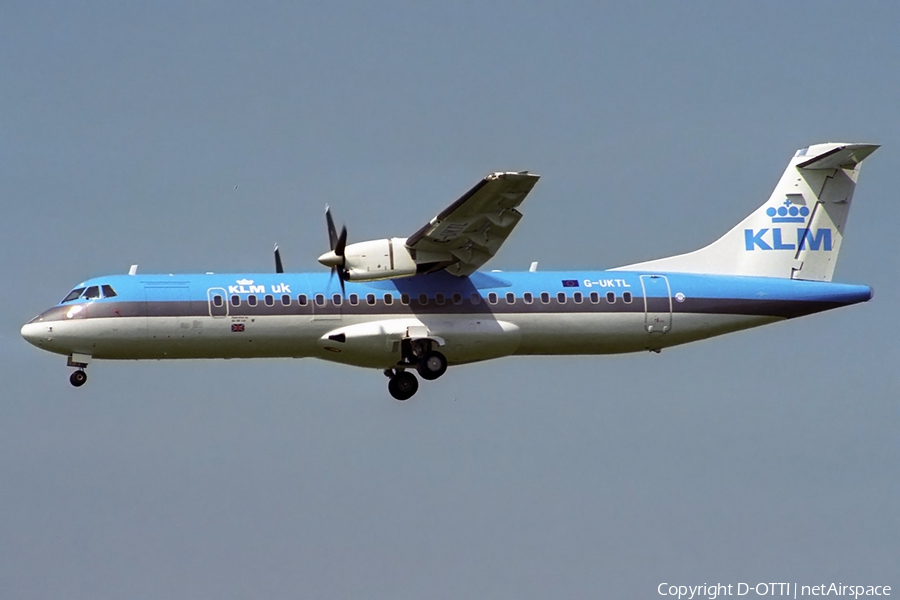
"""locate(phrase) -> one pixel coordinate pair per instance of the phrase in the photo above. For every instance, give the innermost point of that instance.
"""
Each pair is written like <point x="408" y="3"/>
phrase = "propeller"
<point x="335" y="258"/>
<point x="279" y="268"/>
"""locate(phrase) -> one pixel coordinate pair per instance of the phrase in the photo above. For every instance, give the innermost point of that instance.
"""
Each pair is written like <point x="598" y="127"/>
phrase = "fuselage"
<point x="484" y="316"/>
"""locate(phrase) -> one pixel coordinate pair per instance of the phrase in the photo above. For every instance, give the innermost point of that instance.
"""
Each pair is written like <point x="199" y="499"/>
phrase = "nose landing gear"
<point x="79" y="361"/>
<point x="78" y="378"/>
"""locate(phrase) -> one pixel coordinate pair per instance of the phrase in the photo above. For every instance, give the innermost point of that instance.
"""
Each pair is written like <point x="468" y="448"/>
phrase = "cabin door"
<point x="657" y="303"/>
<point x="218" y="302"/>
<point x="327" y="306"/>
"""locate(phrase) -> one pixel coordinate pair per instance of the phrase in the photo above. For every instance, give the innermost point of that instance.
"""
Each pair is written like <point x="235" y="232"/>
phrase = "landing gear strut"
<point x="78" y="378"/>
<point x="403" y="385"/>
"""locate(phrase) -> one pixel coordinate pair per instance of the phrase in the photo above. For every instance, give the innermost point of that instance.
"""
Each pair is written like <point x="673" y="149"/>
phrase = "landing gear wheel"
<point x="78" y="378"/>
<point x="403" y="385"/>
<point x="432" y="365"/>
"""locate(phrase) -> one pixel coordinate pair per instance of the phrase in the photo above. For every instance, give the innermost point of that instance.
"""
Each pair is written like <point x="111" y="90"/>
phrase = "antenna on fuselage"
<point x="533" y="267"/>
<point x="133" y="270"/>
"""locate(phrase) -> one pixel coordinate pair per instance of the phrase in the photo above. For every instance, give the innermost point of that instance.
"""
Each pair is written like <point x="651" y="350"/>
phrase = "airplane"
<point x="420" y="304"/>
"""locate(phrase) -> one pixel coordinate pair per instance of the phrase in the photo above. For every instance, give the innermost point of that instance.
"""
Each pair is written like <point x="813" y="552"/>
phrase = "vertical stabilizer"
<point x="797" y="233"/>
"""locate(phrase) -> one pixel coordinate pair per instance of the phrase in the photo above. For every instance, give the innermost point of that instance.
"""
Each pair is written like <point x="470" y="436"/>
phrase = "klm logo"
<point x="776" y="238"/>
<point x="819" y="239"/>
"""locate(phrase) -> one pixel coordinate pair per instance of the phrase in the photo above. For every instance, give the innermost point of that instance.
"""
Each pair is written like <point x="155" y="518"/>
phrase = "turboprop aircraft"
<point x="420" y="304"/>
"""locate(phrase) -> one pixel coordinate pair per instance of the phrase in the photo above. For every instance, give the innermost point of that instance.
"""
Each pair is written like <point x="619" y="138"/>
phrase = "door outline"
<point x="217" y="312"/>
<point x="657" y="303"/>
<point x="328" y="311"/>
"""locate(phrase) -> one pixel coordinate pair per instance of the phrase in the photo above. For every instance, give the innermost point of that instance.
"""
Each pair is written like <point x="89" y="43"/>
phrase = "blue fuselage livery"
<point x="421" y="304"/>
<point x="486" y="315"/>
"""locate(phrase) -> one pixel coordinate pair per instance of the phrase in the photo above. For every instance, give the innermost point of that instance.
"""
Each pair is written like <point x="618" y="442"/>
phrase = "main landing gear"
<point x="429" y="363"/>
<point x="402" y="384"/>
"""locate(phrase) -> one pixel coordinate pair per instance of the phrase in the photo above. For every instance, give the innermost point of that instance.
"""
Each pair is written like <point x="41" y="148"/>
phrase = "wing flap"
<point x="470" y="231"/>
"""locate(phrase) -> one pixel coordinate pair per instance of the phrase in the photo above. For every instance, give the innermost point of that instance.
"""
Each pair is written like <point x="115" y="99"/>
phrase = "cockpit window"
<point x="72" y="295"/>
<point x="91" y="293"/>
<point x="108" y="292"/>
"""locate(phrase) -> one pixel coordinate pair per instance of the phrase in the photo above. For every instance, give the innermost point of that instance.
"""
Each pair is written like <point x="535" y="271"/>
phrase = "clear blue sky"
<point x="191" y="138"/>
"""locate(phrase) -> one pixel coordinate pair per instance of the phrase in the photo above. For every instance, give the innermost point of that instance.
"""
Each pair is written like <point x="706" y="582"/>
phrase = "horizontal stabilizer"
<point x="845" y="155"/>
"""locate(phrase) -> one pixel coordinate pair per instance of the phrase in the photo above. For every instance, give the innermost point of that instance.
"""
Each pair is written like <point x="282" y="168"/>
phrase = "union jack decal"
<point x="237" y="327"/>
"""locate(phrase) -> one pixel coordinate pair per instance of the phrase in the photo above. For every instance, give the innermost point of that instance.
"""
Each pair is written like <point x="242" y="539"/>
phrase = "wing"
<point x="469" y="232"/>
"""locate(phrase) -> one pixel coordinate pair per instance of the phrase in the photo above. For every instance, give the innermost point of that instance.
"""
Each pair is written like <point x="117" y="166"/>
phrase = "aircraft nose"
<point x="33" y="332"/>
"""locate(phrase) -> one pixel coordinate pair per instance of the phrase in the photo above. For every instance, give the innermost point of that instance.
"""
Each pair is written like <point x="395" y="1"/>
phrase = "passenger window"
<point x="545" y="297"/>
<point x="72" y="295"/>
<point x="423" y="299"/>
<point x="217" y="301"/>
<point x="457" y="298"/>
<point x="285" y="300"/>
<point x="492" y="298"/>
<point x="527" y="297"/>
<point x="595" y="298"/>
<point x="577" y="297"/>
<point x="475" y="297"/>
<point x="320" y="300"/>
<point x="270" y="300"/>
<point x="611" y="297"/>
<point x="370" y="299"/>
<point x="439" y="298"/>
<point x="336" y="299"/>
<point x="251" y="299"/>
<point x="510" y="298"/>
<point x="388" y="299"/>
<point x="302" y="300"/>
<point x="108" y="292"/>
<point x="92" y="293"/>
<point x="404" y="299"/>
<point x="626" y="297"/>
<point x="235" y="300"/>
<point x="561" y="297"/>
<point x="354" y="299"/>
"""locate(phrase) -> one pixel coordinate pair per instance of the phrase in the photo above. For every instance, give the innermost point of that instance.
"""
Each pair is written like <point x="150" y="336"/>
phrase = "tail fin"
<point x="796" y="234"/>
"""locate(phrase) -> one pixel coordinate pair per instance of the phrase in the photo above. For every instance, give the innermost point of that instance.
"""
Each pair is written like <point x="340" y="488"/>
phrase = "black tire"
<point x="432" y="365"/>
<point x="78" y="378"/>
<point x="403" y="385"/>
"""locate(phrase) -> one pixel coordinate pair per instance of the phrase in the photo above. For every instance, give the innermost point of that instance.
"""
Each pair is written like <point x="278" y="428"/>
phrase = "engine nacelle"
<point x="378" y="259"/>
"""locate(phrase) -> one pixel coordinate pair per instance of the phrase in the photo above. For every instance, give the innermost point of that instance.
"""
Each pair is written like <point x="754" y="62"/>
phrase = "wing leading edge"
<point x="470" y="231"/>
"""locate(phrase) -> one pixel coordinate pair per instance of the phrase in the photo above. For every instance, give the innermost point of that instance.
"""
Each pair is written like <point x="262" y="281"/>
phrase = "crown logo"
<point x="788" y="213"/>
<point x="245" y="282"/>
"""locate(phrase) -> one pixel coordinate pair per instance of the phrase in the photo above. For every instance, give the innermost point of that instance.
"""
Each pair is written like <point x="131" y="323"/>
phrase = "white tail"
<point x="796" y="234"/>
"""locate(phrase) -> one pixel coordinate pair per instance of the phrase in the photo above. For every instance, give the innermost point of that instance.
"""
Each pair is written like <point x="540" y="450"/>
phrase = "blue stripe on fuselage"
<point x="134" y="287"/>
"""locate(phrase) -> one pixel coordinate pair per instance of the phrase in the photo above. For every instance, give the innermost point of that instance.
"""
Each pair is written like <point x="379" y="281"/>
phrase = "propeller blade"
<point x="279" y="268"/>
<point x="338" y="244"/>
<point x="332" y="232"/>
<point x="341" y="243"/>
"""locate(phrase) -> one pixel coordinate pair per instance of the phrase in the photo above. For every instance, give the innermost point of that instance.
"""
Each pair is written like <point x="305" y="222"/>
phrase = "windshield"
<point x="91" y="293"/>
<point x="72" y="295"/>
